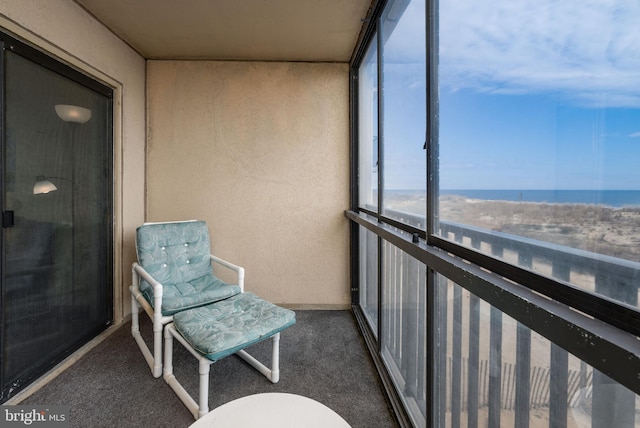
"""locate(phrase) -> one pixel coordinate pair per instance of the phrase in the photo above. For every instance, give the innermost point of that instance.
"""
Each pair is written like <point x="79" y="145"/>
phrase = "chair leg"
<point x="135" y="321"/>
<point x="157" y="346"/>
<point x="135" y="332"/>
<point x="154" y="360"/>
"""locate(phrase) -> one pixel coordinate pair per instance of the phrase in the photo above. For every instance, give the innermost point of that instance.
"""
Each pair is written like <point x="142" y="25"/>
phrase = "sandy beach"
<point x="596" y="228"/>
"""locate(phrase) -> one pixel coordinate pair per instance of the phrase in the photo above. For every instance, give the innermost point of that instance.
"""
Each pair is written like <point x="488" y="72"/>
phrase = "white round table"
<point x="272" y="410"/>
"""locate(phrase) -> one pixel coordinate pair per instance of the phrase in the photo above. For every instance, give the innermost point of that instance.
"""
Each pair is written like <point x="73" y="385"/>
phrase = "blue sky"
<point x="534" y="94"/>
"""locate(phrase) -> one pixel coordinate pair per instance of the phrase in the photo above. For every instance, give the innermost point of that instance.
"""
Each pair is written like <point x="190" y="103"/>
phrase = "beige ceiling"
<point x="280" y="30"/>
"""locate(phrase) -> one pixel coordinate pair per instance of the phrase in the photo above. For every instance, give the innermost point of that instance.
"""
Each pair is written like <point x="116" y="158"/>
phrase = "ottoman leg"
<point x="273" y="374"/>
<point x="204" y="365"/>
<point x="275" y="358"/>
<point x="203" y="368"/>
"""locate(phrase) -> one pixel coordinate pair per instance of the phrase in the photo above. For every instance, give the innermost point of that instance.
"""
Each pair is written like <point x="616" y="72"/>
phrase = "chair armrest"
<point x="238" y="269"/>
<point x="157" y="287"/>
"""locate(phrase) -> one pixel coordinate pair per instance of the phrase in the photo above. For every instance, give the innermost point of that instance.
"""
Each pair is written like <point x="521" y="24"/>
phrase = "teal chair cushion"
<point x="227" y="326"/>
<point x="177" y="256"/>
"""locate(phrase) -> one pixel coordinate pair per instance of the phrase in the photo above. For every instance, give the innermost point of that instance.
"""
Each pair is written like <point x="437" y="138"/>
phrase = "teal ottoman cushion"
<point x="225" y="327"/>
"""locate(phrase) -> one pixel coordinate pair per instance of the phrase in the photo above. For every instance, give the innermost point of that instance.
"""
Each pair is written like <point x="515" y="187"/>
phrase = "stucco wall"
<point x="67" y="32"/>
<point x="260" y="151"/>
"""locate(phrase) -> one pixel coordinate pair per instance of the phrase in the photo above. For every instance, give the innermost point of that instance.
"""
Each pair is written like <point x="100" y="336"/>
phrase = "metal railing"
<point x="477" y="391"/>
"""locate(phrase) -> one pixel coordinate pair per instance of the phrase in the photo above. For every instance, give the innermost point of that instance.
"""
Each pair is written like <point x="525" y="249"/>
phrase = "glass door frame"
<point x="15" y="46"/>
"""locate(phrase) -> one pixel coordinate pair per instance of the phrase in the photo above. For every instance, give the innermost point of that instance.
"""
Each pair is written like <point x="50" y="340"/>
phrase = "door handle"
<point x="7" y="219"/>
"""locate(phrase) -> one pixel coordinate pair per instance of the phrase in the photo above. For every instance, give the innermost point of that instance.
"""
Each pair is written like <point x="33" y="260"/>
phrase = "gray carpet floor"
<point x="322" y="357"/>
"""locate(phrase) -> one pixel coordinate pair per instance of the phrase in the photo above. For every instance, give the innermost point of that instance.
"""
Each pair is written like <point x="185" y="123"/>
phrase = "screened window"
<point x="483" y="261"/>
<point x="539" y="136"/>
<point x="403" y="111"/>
<point x="392" y="116"/>
<point x="368" y="128"/>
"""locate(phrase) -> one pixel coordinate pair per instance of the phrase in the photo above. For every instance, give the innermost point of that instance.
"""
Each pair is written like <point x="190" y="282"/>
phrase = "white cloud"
<point x="635" y="135"/>
<point x="585" y="50"/>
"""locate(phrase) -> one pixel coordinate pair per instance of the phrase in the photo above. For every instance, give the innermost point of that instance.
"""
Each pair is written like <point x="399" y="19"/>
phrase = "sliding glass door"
<point x="57" y="213"/>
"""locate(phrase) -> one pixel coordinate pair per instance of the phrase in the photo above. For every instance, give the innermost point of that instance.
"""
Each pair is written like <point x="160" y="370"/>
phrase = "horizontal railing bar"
<point x="613" y="311"/>
<point x="507" y="241"/>
<point x="409" y="227"/>
<point x="545" y="250"/>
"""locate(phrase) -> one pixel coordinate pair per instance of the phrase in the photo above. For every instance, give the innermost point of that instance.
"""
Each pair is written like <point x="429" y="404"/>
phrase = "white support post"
<point x="241" y="279"/>
<point x="135" y="307"/>
<point x="158" y="327"/>
<point x="238" y="269"/>
<point x="157" y="346"/>
<point x="204" y="366"/>
<point x="154" y="359"/>
<point x="168" y="355"/>
<point x="275" y="358"/>
<point x="135" y="319"/>
<point x="170" y="378"/>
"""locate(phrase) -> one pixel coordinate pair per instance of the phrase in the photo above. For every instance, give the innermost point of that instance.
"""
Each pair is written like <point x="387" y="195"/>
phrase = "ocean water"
<point x="612" y="198"/>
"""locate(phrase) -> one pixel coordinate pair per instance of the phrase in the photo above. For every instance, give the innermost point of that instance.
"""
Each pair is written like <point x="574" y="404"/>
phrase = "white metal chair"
<point x="174" y="273"/>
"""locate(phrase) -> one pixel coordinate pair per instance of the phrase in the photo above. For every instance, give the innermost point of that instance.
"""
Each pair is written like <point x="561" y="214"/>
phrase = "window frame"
<point x="616" y="313"/>
<point x="370" y="33"/>
<point x="551" y="307"/>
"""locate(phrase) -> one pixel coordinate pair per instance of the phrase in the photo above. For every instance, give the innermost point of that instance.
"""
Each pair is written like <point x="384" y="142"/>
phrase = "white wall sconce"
<point x="70" y="113"/>
<point x="44" y="185"/>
